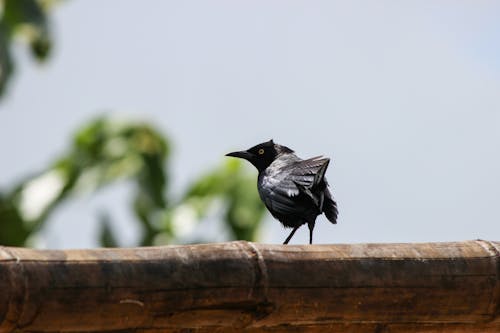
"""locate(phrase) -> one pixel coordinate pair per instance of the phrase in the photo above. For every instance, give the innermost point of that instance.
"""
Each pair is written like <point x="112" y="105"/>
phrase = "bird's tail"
<point x="330" y="207"/>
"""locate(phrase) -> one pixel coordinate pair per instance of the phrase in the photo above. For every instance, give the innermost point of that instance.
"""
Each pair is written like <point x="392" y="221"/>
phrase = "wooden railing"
<point x="249" y="287"/>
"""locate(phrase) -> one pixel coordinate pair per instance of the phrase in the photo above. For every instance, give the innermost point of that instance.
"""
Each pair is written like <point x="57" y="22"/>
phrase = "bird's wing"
<point x="298" y="178"/>
<point x="280" y="204"/>
<point x="306" y="173"/>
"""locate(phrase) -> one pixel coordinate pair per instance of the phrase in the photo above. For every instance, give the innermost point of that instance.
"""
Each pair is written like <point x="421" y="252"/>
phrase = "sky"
<point x="403" y="97"/>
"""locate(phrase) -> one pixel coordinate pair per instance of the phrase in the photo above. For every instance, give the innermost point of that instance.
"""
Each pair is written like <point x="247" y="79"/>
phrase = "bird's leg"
<point x="291" y="235"/>
<point x="311" y="228"/>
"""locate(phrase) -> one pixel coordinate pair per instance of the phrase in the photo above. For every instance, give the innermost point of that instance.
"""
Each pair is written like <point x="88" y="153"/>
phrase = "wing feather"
<point x="306" y="173"/>
<point x="297" y="179"/>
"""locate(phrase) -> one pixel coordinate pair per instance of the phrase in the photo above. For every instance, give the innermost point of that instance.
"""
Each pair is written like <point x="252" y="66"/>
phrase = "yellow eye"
<point x="261" y="151"/>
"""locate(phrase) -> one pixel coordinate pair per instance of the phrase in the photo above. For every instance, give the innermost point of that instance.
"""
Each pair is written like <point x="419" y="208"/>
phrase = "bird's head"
<point x="262" y="155"/>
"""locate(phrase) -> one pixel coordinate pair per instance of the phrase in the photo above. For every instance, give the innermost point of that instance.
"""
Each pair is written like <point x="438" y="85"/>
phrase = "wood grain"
<point x="249" y="287"/>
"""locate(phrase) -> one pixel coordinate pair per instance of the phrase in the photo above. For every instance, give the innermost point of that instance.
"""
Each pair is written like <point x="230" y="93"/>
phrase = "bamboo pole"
<point x="248" y="287"/>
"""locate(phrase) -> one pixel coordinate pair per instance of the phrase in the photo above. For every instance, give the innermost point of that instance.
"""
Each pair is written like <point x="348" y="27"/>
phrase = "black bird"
<point x="294" y="190"/>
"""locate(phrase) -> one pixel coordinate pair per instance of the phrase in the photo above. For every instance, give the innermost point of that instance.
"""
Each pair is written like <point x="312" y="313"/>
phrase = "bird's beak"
<point x="241" y="154"/>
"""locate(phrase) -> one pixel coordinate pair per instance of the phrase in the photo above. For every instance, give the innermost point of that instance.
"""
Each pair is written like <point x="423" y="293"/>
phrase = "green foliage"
<point x="25" y="20"/>
<point x="106" y="239"/>
<point x="13" y="230"/>
<point x="237" y="188"/>
<point x="105" y="151"/>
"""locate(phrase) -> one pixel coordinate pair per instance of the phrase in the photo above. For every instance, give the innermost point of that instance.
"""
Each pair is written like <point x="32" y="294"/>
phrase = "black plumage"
<point x="294" y="190"/>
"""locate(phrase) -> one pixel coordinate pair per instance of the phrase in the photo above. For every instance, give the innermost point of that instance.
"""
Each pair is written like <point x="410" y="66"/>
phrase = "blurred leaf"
<point x="6" y="65"/>
<point x="25" y="20"/>
<point x="237" y="188"/>
<point x="106" y="237"/>
<point x="107" y="150"/>
<point x="13" y="231"/>
<point x="103" y="151"/>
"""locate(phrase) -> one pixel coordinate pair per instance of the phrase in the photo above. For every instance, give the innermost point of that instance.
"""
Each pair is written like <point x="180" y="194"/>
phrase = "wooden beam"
<point x="248" y="287"/>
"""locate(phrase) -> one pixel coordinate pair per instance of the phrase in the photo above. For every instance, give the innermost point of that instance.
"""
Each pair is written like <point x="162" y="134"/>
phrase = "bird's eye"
<point x="261" y="151"/>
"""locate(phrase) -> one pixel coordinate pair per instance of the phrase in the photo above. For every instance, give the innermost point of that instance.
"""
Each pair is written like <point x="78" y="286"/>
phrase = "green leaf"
<point x="13" y="231"/>
<point x="237" y="187"/>
<point x="27" y="18"/>
<point x="6" y="64"/>
<point x="106" y="237"/>
<point x="106" y="150"/>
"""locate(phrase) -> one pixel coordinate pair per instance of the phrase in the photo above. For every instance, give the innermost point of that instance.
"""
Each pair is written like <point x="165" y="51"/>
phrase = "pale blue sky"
<point x="404" y="97"/>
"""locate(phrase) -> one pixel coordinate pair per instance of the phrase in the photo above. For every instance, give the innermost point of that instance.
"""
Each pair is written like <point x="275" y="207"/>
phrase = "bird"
<point x="294" y="190"/>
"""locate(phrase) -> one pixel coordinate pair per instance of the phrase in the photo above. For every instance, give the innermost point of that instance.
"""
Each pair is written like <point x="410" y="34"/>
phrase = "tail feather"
<point x="330" y="208"/>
